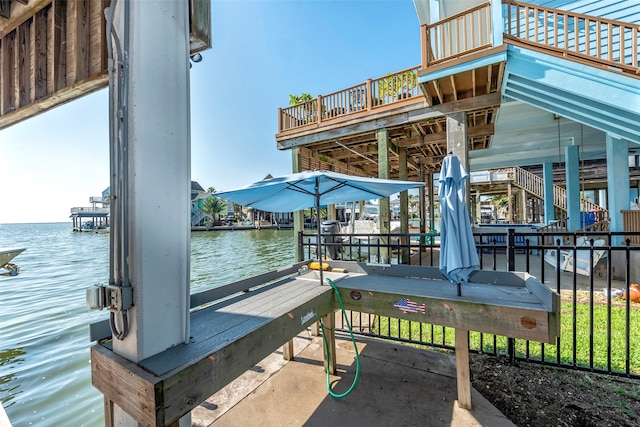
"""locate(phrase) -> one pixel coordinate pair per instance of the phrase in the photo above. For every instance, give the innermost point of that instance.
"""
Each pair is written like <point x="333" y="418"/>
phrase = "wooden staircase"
<point x="534" y="185"/>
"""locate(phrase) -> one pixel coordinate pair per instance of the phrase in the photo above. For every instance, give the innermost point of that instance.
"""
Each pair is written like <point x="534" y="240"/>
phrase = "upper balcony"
<point x="464" y="68"/>
<point x="342" y="125"/>
<point x="379" y="96"/>
<point x="463" y="55"/>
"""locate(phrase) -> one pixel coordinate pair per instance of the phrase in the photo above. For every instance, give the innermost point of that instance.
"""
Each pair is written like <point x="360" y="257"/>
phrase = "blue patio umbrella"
<point x="458" y="255"/>
<point x="311" y="189"/>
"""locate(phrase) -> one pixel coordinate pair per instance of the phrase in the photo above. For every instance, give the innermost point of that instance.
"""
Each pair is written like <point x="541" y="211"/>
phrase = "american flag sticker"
<point x="407" y="306"/>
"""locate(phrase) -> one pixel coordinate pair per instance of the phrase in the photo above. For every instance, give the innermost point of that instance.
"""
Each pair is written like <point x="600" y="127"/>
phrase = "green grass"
<point x="585" y="331"/>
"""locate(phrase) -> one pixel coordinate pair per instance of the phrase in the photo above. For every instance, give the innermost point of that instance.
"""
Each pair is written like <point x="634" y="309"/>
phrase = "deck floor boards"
<point x="215" y="327"/>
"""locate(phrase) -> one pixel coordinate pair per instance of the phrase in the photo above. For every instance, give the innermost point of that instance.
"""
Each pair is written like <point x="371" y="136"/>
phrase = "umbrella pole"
<point x="318" y="245"/>
<point x="459" y="288"/>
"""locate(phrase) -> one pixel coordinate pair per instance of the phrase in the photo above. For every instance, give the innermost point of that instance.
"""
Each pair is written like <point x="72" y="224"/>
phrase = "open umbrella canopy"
<point x="458" y="255"/>
<point x="310" y="189"/>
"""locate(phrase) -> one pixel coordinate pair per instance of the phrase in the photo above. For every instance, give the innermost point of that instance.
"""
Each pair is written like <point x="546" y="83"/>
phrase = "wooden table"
<point x="258" y="315"/>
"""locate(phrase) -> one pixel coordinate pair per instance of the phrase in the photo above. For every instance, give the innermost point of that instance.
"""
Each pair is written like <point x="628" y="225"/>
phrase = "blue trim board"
<point x="601" y="99"/>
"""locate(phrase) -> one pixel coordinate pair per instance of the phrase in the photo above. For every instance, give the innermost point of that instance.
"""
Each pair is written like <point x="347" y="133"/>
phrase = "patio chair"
<point x="580" y="263"/>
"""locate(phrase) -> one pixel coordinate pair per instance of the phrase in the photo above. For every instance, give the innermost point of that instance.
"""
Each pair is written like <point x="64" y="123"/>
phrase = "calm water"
<point x="45" y="376"/>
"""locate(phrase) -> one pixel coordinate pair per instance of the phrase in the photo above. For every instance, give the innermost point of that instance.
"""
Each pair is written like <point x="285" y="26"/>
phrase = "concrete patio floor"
<point x="398" y="385"/>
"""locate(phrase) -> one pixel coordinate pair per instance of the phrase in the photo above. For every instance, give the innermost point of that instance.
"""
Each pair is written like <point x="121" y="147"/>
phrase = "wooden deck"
<point x="497" y="302"/>
<point x="227" y="339"/>
<point x="56" y="51"/>
<point x="230" y="336"/>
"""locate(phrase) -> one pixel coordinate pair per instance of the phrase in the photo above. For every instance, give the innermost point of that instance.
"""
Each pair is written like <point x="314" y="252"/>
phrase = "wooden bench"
<point x="231" y="336"/>
<point x="227" y="339"/>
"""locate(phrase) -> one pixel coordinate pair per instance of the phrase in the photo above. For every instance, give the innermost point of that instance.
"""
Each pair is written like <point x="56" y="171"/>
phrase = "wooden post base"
<point x="329" y="325"/>
<point x="462" y="368"/>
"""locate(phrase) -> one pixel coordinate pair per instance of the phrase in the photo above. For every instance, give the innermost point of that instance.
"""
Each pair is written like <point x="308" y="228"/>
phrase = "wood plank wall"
<point x="57" y="53"/>
<point x="53" y="51"/>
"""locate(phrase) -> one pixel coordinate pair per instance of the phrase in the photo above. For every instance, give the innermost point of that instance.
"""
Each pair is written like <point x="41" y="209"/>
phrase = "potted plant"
<point x="307" y="112"/>
<point x="397" y="86"/>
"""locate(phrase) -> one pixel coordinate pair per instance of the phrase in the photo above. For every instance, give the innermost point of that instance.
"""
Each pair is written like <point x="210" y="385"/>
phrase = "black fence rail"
<point x="595" y="274"/>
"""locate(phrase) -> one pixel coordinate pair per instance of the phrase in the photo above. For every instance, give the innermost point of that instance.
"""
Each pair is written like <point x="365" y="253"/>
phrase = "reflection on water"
<point x="9" y="360"/>
<point x="44" y="339"/>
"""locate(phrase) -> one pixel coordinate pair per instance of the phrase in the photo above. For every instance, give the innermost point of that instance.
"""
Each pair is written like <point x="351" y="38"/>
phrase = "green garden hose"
<point x="326" y="349"/>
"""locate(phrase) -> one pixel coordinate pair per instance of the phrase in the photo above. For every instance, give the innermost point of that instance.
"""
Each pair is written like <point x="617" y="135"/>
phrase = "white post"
<point x="156" y="234"/>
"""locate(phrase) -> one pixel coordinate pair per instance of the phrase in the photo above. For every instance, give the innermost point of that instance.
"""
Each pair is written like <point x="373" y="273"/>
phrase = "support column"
<point x="523" y="206"/>
<point x="572" y="178"/>
<point x="547" y="179"/>
<point x="404" y="195"/>
<point x="463" y="373"/>
<point x="298" y="216"/>
<point x="509" y="204"/>
<point x="422" y="200"/>
<point x="404" y="203"/>
<point x="432" y="203"/>
<point x="152" y="242"/>
<point x="618" y="184"/>
<point x="457" y="137"/>
<point x="382" y="135"/>
<point x="457" y="143"/>
<point x="331" y="212"/>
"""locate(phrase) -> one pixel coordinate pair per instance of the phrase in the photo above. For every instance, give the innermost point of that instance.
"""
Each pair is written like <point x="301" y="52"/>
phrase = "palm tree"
<point x="306" y="112"/>
<point x="413" y="200"/>
<point x="398" y="86"/>
<point x="298" y="99"/>
<point x="213" y="206"/>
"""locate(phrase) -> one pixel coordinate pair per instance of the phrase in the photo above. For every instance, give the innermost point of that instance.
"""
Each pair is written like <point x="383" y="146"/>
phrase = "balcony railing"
<point x="460" y="34"/>
<point x="90" y="210"/>
<point x="583" y="38"/>
<point x="631" y="222"/>
<point x="373" y="95"/>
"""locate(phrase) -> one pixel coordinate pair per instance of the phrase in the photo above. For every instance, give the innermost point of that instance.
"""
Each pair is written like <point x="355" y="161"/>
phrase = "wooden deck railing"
<point x="535" y="185"/>
<point x="460" y="34"/>
<point x="582" y="38"/>
<point x="631" y="222"/>
<point x="559" y="226"/>
<point x="372" y="95"/>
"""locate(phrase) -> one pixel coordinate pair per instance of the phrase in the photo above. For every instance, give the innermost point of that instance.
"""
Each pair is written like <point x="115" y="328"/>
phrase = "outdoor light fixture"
<point x="196" y="57"/>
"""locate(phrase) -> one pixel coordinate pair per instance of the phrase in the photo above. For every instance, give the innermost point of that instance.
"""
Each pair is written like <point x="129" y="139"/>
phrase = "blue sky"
<point x="262" y="52"/>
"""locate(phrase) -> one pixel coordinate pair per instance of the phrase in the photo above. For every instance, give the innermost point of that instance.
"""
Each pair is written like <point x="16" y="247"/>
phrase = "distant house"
<point x="94" y="217"/>
<point x="106" y="197"/>
<point x="98" y="216"/>
<point x="198" y="196"/>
